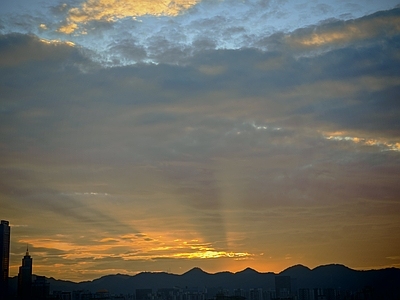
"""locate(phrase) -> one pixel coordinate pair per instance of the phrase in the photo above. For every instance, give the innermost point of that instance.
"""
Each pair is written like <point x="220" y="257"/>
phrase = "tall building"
<point x="5" y="257"/>
<point x="283" y="287"/>
<point x="25" y="277"/>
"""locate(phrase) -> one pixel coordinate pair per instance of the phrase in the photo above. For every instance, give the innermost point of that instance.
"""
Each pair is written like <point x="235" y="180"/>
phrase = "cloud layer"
<point x="122" y="33"/>
<point x="281" y="152"/>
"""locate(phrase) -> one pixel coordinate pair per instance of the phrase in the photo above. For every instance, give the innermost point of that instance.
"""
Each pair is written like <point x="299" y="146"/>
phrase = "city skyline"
<point x="165" y="135"/>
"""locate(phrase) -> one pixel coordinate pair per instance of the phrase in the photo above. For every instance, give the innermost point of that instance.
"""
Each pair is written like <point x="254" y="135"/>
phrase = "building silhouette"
<point x="40" y="288"/>
<point x="25" y="277"/>
<point x="5" y="258"/>
<point x="143" y="294"/>
<point x="283" y="287"/>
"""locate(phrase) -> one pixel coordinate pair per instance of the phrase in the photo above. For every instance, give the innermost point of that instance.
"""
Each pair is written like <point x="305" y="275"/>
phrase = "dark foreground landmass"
<point x="379" y="284"/>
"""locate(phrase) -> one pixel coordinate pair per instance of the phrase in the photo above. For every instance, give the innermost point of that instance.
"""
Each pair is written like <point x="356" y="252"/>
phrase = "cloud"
<point x="116" y="37"/>
<point x="180" y="29"/>
<point x="339" y="33"/>
<point x="246" y="151"/>
<point x="111" y="10"/>
<point x="211" y="79"/>
<point x="18" y="48"/>
<point x="383" y="144"/>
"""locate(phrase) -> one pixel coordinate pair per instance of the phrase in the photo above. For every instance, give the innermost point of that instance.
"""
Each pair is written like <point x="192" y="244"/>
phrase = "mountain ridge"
<point x="325" y="276"/>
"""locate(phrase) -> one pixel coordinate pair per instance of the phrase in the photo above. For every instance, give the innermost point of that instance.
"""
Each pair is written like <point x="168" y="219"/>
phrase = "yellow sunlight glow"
<point x="56" y="42"/>
<point x="134" y="248"/>
<point x="341" y="136"/>
<point x="112" y="10"/>
<point x="212" y="254"/>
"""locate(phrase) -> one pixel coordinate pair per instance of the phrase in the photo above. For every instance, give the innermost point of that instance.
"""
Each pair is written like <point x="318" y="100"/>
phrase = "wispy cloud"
<point x="384" y="145"/>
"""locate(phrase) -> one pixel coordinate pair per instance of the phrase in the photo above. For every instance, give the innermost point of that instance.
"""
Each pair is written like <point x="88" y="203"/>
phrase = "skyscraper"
<point x="25" y="277"/>
<point x="5" y="257"/>
<point x="283" y="287"/>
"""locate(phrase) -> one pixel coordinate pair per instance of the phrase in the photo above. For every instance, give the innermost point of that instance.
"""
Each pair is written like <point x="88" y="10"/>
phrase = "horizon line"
<point x="225" y="271"/>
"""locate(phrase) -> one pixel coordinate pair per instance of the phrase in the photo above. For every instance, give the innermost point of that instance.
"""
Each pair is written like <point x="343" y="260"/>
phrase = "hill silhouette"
<point x="327" y="276"/>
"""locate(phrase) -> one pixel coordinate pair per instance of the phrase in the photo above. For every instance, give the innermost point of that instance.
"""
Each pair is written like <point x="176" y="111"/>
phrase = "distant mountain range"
<point x="328" y="276"/>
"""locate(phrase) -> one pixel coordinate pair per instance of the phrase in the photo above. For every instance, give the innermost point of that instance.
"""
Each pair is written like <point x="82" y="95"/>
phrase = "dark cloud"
<point x="129" y="50"/>
<point x="17" y="49"/>
<point x="253" y="74"/>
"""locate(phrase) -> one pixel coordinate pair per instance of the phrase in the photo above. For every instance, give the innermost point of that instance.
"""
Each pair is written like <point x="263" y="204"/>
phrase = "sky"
<point x="221" y="134"/>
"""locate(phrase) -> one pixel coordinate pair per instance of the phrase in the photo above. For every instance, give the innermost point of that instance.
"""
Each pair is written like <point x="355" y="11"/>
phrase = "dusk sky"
<point x="160" y="135"/>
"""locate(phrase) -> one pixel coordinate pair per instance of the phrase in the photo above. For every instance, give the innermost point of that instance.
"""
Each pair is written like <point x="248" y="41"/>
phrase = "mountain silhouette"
<point x="196" y="271"/>
<point x="247" y="271"/>
<point x="329" y="276"/>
